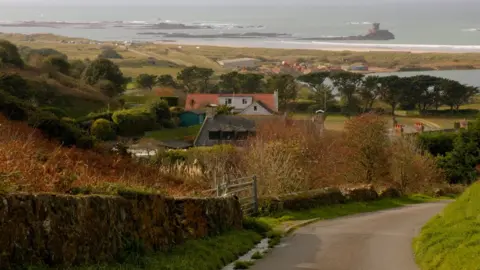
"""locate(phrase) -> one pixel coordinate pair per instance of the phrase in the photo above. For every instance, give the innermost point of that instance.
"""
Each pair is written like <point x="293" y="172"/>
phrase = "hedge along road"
<point x="374" y="241"/>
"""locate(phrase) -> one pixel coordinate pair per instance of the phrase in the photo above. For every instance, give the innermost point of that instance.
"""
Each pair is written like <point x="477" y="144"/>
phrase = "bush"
<point x="172" y="101"/>
<point x="103" y="129"/>
<point x="57" y="63"/>
<point x="301" y="201"/>
<point x="9" y="54"/>
<point x="110" y="53"/>
<point x="15" y="85"/>
<point x="14" y="108"/>
<point x="134" y="122"/>
<point x="302" y="106"/>
<point x="55" y="128"/>
<point x="95" y="116"/>
<point x="437" y="143"/>
<point x="56" y="111"/>
<point x="161" y="111"/>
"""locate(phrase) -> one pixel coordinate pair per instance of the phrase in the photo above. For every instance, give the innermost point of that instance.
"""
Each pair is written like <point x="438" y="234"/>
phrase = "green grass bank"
<point x="451" y="240"/>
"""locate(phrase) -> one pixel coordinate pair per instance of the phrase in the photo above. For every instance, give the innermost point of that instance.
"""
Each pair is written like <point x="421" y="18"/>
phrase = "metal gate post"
<point x="255" y="195"/>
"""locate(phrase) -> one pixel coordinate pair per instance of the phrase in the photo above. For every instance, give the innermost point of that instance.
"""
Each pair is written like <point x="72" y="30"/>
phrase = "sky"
<point x="210" y="2"/>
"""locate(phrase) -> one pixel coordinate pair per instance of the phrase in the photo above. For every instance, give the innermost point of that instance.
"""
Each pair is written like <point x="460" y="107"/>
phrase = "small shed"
<point x="192" y="118"/>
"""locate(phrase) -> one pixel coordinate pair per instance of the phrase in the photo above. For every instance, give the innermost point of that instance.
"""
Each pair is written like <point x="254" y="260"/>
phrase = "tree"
<point x="455" y="94"/>
<point x="57" y="63"/>
<point x="110" y="53"/>
<point x="77" y="67"/>
<point x="104" y="69"/>
<point x="460" y="164"/>
<point x="391" y="89"/>
<point x="347" y="83"/>
<point x="323" y="91"/>
<point x="427" y="91"/>
<point x="166" y="80"/>
<point x="9" y="54"/>
<point x="230" y="82"/>
<point x="103" y="130"/>
<point x="146" y="81"/>
<point x="251" y="83"/>
<point x="316" y="79"/>
<point x="160" y="109"/>
<point x="369" y="92"/>
<point x="241" y="83"/>
<point x="107" y="88"/>
<point x="286" y="87"/>
<point x="224" y="110"/>
<point x="195" y="79"/>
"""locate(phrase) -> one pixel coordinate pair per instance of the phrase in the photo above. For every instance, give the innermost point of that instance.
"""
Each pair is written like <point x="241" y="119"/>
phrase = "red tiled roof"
<point x="200" y="100"/>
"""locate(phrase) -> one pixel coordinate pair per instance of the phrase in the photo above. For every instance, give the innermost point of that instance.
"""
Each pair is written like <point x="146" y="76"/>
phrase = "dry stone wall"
<point x="59" y="230"/>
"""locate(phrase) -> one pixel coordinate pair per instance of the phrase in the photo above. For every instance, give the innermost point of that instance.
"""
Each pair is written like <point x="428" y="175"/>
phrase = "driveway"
<point x="374" y="241"/>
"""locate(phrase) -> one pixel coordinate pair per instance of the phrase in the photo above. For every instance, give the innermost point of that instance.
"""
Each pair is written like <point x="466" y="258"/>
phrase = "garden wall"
<point x="59" y="230"/>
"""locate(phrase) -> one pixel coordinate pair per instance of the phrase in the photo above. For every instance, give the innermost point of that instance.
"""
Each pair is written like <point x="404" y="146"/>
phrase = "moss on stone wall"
<point x="58" y="230"/>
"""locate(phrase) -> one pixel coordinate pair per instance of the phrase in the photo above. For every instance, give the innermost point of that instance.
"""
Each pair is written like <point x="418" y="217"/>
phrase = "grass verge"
<point x="451" y="240"/>
<point x="340" y="210"/>
<point x="205" y="254"/>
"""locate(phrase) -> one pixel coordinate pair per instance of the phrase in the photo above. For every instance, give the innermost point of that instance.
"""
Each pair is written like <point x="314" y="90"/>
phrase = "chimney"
<point x="211" y="110"/>
<point x="275" y="97"/>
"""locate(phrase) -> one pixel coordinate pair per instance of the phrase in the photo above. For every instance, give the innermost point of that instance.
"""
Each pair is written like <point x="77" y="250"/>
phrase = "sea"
<point x="433" y="25"/>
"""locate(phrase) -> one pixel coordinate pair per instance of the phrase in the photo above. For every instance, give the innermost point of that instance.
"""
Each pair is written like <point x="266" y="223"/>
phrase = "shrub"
<point x="57" y="63"/>
<point x="172" y="101"/>
<point x="103" y="129"/>
<point x="9" y="54"/>
<point x="14" y="108"/>
<point x="15" y="85"/>
<point x="95" y="116"/>
<point x="161" y="110"/>
<point x="56" y="111"/>
<point x="55" y="128"/>
<point x="110" y="53"/>
<point x="302" y="105"/>
<point x="437" y="143"/>
<point x="134" y="122"/>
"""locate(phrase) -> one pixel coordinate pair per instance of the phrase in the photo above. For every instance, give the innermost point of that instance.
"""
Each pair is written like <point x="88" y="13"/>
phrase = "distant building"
<point x="244" y="104"/>
<point x="239" y="63"/>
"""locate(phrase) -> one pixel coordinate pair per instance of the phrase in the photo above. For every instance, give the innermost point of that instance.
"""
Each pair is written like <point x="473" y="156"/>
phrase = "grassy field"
<point x="451" y="240"/>
<point x="170" y="58"/>
<point x="174" y="134"/>
<point x="340" y="210"/>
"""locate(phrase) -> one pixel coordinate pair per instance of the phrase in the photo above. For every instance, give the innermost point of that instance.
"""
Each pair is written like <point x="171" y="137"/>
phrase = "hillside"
<point x="31" y="163"/>
<point x="71" y="95"/>
<point x="452" y="239"/>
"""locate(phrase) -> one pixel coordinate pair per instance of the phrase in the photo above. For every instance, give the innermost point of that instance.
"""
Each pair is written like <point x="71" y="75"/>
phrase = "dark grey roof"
<point x="176" y="144"/>
<point x="222" y="123"/>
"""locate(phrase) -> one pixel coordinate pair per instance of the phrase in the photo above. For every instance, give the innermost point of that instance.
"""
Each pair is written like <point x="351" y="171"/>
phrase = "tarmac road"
<point x="373" y="241"/>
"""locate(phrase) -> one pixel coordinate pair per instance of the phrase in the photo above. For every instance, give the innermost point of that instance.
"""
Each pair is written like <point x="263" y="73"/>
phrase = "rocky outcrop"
<point x="58" y="230"/>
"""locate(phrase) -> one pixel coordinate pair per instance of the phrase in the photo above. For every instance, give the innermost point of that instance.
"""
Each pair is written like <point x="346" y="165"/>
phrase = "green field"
<point x="451" y="240"/>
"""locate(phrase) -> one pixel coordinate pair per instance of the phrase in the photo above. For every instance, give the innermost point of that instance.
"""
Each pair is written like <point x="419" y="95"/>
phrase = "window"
<point x="228" y="101"/>
<point x="255" y="108"/>
<point x="244" y="101"/>
<point x="228" y="135"/>
<point x="214" y="135"/>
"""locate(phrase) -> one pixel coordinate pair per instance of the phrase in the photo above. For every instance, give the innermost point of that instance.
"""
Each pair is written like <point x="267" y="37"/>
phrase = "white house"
<point x="243" y="104"/>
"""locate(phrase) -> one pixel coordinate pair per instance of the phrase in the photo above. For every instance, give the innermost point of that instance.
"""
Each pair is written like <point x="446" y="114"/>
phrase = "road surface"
<point x="374" y="241"/>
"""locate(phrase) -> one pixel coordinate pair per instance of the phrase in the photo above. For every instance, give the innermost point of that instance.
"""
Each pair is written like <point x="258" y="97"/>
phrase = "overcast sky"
<point x="212" y="2"/>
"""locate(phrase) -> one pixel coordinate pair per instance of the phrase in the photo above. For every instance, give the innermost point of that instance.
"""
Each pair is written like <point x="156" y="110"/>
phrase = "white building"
<point x="239" y="63"/>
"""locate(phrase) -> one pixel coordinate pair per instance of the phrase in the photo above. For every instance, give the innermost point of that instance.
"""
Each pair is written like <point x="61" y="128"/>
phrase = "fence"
<point x="245" y="189"/>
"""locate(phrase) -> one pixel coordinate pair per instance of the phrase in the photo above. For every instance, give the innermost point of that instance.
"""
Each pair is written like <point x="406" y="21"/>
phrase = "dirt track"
<point x="375" y="241"/>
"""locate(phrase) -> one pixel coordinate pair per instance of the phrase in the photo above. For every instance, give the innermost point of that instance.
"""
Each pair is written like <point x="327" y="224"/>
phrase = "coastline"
<point x="329" y="46"/>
